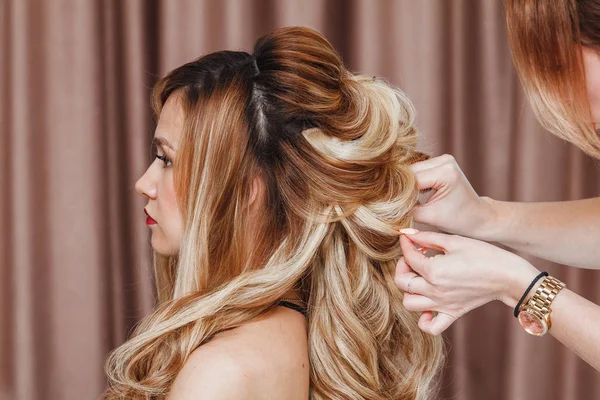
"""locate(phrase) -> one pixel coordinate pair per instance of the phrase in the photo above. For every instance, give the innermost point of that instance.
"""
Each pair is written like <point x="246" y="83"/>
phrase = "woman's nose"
<point x="146" y="186"/>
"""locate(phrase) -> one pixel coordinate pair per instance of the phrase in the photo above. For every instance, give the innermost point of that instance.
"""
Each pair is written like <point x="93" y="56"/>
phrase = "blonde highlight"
<point x="334" y="151"/>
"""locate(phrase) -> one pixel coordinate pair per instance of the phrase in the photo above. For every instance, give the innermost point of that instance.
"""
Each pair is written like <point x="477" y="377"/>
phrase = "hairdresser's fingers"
<point x="432" y="162"/>
<point x="426" y="315"/>
<point x="412" y="283"/>
<point x="437" y="324"/>
<point x="434" y="240"/>
<point x="425" y="213"/>
<point x="402" y="267"/>
<point x="415" y="259"/>
<point x="431" y="178"/>
<point x="415" y="302"/>
<point x="404" y="276"/>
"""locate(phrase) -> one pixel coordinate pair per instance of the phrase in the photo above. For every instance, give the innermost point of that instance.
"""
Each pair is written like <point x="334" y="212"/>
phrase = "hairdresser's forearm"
<point x="563" y="232"/>
<point x="575" y="322"/>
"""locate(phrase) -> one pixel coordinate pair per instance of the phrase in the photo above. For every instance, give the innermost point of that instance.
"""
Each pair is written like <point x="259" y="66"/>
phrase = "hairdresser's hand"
<point x="468" y="274"/>
<point x="454" y="207"/>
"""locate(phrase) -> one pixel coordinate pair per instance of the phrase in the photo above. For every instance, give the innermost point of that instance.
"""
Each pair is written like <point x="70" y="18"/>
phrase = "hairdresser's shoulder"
<point x="257" y="360"/>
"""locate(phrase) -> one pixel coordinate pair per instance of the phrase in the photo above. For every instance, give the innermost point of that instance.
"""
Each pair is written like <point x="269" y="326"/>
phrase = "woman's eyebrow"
<point x="160" y="141"/>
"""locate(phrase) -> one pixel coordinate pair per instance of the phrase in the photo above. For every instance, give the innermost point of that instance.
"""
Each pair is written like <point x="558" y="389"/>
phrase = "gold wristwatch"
<point x="534" y="315"/>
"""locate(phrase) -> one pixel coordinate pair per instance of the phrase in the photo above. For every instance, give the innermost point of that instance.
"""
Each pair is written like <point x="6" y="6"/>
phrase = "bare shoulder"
<point x="266" y="358"/>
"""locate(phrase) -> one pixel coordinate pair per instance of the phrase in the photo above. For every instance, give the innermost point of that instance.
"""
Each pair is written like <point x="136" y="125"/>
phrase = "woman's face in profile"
<point x="163" y="216"/>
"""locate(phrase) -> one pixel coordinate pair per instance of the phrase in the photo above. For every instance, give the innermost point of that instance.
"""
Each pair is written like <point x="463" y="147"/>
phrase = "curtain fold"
<point x="75" y="130"/>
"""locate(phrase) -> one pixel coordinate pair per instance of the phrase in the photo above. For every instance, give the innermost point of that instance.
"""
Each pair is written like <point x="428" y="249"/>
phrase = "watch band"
<point x="544" y="295"/>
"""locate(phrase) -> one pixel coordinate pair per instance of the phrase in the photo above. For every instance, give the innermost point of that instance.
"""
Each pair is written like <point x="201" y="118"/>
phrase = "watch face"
<point x="532" y="323"/>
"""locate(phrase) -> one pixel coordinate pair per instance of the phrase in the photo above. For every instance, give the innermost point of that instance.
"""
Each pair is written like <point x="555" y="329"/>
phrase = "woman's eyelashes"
<point x="163" y="158"/>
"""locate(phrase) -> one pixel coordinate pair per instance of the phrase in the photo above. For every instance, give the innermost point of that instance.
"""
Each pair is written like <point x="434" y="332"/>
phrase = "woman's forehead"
<point x="170" y="123"/>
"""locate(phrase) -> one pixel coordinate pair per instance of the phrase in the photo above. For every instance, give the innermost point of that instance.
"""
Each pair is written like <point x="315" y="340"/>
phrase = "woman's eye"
<point x="164" y="159"/>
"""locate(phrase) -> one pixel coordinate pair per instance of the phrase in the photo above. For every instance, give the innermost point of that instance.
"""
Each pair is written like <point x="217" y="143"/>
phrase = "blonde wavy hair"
<point x="333" y="150"/>
<point x="546" y="38"/>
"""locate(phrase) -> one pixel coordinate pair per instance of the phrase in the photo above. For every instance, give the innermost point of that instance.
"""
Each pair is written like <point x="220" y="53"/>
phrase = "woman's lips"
<point x="149" y="220"/>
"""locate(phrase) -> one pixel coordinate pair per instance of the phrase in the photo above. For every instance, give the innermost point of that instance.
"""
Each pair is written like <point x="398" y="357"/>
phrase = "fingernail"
<point x="408" y="231"/>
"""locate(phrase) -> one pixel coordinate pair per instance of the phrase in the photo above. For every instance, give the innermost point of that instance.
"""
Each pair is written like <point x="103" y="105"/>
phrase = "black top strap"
<point x="293" y="306"/>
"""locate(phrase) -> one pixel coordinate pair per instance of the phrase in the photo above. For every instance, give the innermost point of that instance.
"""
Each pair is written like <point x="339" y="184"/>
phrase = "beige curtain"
<point x="75" y="126"/>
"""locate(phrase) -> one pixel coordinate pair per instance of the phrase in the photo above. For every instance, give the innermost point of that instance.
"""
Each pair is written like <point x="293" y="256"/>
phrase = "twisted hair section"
<point x="333" y="150"/>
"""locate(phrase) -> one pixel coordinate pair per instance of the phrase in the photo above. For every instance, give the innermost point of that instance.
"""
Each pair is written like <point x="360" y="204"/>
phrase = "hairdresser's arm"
<point x="564" y="232"/>
<point x="575" y="322"/>
<point x="471" y="273"/>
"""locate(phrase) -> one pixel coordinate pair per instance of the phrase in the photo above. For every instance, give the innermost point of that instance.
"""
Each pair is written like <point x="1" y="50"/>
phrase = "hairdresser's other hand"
<point x="454" y="207"/>
<point x="466" y="275"/>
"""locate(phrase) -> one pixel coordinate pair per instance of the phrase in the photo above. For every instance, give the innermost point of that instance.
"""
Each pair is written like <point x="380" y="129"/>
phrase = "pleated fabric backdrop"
<point x="75" y="129"/>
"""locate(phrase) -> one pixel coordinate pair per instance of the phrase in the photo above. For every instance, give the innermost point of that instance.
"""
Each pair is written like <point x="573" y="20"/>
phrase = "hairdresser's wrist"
<point x="518" y="278"/>
<point x="496" y="224"/>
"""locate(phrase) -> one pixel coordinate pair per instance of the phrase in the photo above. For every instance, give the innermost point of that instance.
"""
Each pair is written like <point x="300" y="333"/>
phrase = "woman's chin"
<point x="162" y="247"/>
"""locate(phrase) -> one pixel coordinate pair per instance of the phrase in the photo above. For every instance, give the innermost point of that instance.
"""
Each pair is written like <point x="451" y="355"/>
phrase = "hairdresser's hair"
<point x="333" y="151"/>
<point x="545" y="37"/>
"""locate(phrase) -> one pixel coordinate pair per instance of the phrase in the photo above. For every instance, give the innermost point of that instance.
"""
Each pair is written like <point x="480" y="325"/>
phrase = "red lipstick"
<point x="149" y="220"/>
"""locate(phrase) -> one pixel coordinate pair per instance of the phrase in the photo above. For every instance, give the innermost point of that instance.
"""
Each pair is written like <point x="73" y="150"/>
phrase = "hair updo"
<point x="333" y="150"/>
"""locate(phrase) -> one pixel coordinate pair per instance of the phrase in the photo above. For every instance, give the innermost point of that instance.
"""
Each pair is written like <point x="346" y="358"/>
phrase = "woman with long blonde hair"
<point x="279" y="185"/>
